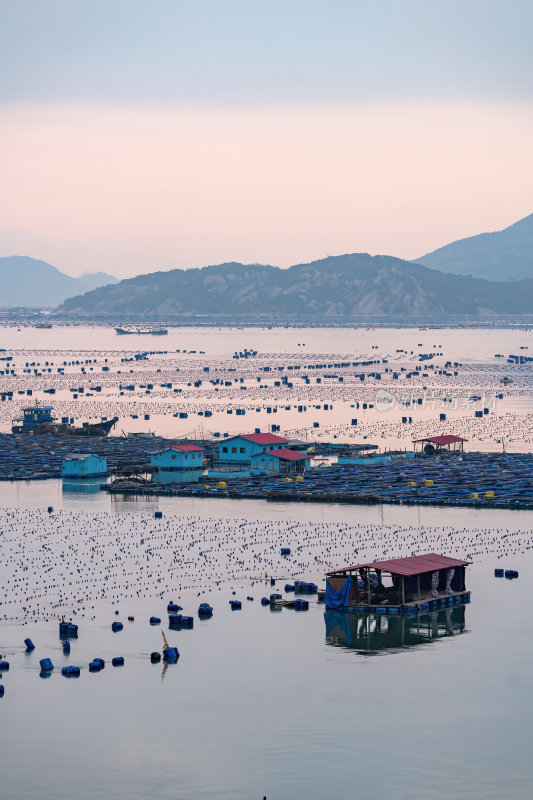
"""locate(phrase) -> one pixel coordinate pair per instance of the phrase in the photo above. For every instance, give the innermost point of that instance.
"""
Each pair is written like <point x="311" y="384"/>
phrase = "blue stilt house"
<point x="83" y="465"/>
<point x="178" y="457"/>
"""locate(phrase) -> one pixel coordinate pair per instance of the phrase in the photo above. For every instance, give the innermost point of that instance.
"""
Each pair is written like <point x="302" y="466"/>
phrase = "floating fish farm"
<point x="39" y="457"/>
<point x="494" y="480"/>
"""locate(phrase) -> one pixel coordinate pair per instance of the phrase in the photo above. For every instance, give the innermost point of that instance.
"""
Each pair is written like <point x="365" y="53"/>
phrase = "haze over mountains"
<point x="29" y="282"/>
<point x="501" y="255"/>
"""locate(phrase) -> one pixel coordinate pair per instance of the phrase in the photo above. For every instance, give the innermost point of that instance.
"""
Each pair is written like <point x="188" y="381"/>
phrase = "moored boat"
<point x="39" y="419"/>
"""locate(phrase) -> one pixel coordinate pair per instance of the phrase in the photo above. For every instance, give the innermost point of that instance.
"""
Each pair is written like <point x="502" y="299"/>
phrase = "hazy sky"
<point x="156" y="134"/>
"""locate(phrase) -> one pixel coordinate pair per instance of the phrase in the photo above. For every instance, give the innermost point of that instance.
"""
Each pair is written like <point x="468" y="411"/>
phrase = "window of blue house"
<point x="224" y="449"/>
<point x="242" y="450"/>
<point x="233" y="449"/>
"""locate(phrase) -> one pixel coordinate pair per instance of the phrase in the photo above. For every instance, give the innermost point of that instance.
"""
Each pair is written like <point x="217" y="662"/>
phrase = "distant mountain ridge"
<point x="26" y="281"/>
<point x="338" y="286"/>
<point x="501" y="255"/>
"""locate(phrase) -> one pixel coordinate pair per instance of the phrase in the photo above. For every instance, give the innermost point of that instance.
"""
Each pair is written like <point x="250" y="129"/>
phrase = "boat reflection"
<point x="374" y="633"/>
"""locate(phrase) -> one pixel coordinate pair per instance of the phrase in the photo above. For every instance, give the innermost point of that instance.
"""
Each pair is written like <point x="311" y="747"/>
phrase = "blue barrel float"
<point x="4" y="666"/>
<point x="116" y="626"/>
<point x="29" y="645"/>
<point x="205" y="610"/>
<point x="71" y="671"/>
<point x="67" y="630"/>
<point x="155" y="621"/>
<point x="46" y="665"/>
<point x="235" y="605"/>
<point x="171" y="654"/>
<point x="118" y="661"/>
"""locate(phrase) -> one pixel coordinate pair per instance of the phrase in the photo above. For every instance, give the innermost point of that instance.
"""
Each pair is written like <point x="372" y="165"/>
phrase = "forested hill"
<point x="336" y="286"/>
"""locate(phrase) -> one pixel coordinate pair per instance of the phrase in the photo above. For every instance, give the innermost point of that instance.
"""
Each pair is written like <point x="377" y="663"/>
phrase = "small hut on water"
<point x="447" y="443"/>
<point x="398" y="585"/>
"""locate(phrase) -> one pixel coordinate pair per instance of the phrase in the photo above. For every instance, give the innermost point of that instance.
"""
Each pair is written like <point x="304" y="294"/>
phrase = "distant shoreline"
<point x="30" y="317"/>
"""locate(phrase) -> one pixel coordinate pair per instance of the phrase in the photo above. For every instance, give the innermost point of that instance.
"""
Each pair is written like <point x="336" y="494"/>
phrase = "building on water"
<point x="178" y="457"/>
<point x="80" y="465"/>
<point x="398" y="585"/>
<point x="240" y="449"/>
<point x="279" y="462"/>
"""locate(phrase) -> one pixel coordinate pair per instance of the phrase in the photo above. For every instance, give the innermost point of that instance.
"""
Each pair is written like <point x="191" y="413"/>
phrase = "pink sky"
<point x="130" y="190"/>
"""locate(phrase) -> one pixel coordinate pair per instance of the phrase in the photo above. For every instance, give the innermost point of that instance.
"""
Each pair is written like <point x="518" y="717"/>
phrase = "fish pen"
<point x="489" y="480"/>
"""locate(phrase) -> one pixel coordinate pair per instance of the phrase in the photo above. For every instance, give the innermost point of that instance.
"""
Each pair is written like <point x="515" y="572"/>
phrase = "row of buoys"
<point x="222" y="367"/>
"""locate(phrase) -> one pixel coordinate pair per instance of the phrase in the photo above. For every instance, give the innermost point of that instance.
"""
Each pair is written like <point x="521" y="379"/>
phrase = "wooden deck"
<point x="414" y="606"/>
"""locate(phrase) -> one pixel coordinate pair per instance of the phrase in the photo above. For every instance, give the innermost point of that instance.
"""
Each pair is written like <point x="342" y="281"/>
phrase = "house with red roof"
<point x="240" y="450"/>
<point x="279" y="461"/>
<point x="178" y="457"/>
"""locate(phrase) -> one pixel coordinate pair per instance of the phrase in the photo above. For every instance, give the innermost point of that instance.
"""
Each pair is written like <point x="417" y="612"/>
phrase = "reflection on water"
<point x="87" y="486"/>
<point x="175" y="476"/>
<point x="372" y="633"/>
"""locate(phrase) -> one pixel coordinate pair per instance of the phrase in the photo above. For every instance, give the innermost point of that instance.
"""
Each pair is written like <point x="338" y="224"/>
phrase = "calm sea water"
<point x="261" y="703"/>
<point x="277" y="704"/>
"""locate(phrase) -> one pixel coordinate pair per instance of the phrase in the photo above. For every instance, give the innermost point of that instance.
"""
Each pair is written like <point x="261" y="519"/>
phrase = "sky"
<point x="137" y="136"/>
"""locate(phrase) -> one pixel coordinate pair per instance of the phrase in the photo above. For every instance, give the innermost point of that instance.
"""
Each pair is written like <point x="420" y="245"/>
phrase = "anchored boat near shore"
<point x="39" y="419"/>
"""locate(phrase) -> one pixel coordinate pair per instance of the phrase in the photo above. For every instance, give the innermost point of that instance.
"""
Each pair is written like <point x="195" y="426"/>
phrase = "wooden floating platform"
<point x="415" y="606"/>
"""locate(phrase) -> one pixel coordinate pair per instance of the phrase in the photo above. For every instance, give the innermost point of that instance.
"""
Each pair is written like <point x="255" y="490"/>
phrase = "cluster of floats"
<point x="68" y="631"/>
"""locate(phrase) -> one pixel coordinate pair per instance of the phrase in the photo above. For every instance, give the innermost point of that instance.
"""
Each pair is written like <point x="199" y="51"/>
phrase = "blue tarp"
<point x="340" y="599"/>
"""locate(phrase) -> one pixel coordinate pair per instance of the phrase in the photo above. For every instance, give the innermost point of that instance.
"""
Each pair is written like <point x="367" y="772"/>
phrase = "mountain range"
<point x="29" y="282"/>
<point x="501" y="255"/>
<point x="484" y="275"/>
<point x="338" y="286"/>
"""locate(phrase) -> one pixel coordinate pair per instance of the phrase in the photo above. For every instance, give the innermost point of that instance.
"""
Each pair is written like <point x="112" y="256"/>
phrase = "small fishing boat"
<point x="142" y="331"/>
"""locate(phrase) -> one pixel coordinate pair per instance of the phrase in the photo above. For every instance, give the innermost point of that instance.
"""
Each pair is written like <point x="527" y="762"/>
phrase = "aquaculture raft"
<point x="488" y="480"/>
<point x="398" y="585"/>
